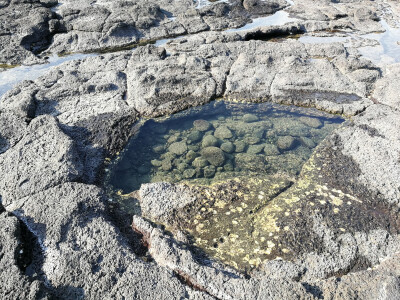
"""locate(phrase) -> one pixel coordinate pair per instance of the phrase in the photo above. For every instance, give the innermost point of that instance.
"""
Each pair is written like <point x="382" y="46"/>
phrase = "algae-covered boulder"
<point x="255" y="149"/>
<point x="240" y="146"/>
<point x="209" y="141"/>
<point x="228" y="147"/>
<point x="209" y="171"/>
<point x="191" y="155"/>
<point x="250" y="162"/>
<point x="214" y="156"/>
<point x="178" y="148"/>
<point x="223" y="132"/>
<point x="311" y="122"/>
<point x="195" y="136"/>
<point x="189" y="173"/>
<point x="285" y="142"/>
<point x="199" y="162"/>
<point x="271" y="150"/>
<point x="249" y="118"/>
<point x="201" y="125"/>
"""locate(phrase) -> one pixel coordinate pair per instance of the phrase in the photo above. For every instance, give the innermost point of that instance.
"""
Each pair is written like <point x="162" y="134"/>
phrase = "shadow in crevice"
<point x="274" y="33"/>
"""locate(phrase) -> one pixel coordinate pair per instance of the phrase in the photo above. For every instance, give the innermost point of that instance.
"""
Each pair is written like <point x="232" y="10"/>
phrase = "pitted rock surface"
<point x="338" y="221"/>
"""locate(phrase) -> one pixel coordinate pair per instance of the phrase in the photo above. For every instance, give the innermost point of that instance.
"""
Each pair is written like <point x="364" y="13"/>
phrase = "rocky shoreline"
<point x="62" y="237"/>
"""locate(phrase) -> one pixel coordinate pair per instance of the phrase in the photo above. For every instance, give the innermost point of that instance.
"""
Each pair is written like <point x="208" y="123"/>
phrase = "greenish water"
<point x="219" y="141"/>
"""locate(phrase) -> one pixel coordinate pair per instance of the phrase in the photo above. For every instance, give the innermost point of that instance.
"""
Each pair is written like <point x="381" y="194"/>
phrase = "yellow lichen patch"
<point x="336" y="201"/>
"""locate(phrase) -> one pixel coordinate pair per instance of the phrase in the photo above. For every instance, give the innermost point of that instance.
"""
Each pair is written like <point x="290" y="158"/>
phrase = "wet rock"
<point x="195" y="136"/>
<point x="159" y="148"/>
<point x="182" y="167"/>
<point x="255" y="149"/>
<point x="213" y="155"/>
<point x="228" y="167"/>
<point x="191" y="155"/>
<point x="252" y="140"/>
<point x="308" y="142"/>
<point x="271" y="150"/>
<point x="156" y="163"/>
<point x="240" y="146"/>
<point x="189" y="173"/>
<point x="208" y="141"/>
<point x="250" y="162"/>
<point x="202" y="125"/>
<point x="311" y="122"/>
<point x="209" y="171"/>
<point x="199" y="162"/>
<point x="223" y="132"/>
<point x="227" y="147"/>
<point x="166" y="164"/>
<point x="249" y="118"/>
<point x="178" y="148"/>
<point x="285" y="143"/>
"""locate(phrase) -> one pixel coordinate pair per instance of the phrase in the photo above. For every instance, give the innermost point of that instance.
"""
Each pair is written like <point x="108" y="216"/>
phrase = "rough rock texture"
<point x="235" y="69"/>
<point x="385" y="90"/>
<point x="13" y="242"/>
<point x="43" y="158"/>
<point x="104" y="25"/>
<point x="23" y="34"/>
<point x="337" y="223"/>
<point x="85" y="254"/>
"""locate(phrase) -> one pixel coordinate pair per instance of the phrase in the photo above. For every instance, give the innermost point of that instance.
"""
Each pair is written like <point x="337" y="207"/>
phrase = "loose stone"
<point x="214" y="156"/>
<point x="199" y="162"/>
<point x="240" y="146"/>
<point x="227" y="147"/>
<point x="201" y="125"/>
<point x="249" y="118"/>
<point x="271" y="150"/>
<point x="223" y="132"/>
<point x="311" y="122"/>
<point x="209" y="171"/>
<point x="209" y="141"/>
<point x="285" y="142"/>
<point x="178" y="148"/>
<point x="195" y="136"/>
<point x="255" y="149"/>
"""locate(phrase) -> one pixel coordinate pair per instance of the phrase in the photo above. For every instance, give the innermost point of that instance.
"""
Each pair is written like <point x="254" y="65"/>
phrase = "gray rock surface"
<point x="14" y="283"/>
<point x="22" y="34"/>
<point x="56" y="131"/>
<point x="85" y="254"/>
<point x="44" y="157"/>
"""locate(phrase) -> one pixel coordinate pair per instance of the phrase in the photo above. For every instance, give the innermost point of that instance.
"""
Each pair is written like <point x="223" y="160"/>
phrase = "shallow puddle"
<point x="277" y="19"/>
<point x="388" y="50"/>
<point x="236" y="157"/>
<point x="219" y="141"/>
<point x="12" y="76"/>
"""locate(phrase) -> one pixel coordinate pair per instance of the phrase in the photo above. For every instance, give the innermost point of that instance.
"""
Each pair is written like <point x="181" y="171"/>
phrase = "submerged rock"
<point x="178" y="148"/>
<point x="209" y="140"/>
<point x="271" y="150"/>
<point x="285" y="143"/>
<point x="214" y="156"/>
<point x="223" y="132"/>
<point x="311" y="122"/>
<point x="227" y="147"/>
<point x="202" y="125"/>
<point x="249" y="118"/>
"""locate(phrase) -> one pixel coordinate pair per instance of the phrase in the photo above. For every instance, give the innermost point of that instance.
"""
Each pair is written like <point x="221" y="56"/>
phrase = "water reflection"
<point x="221" y="140"/>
